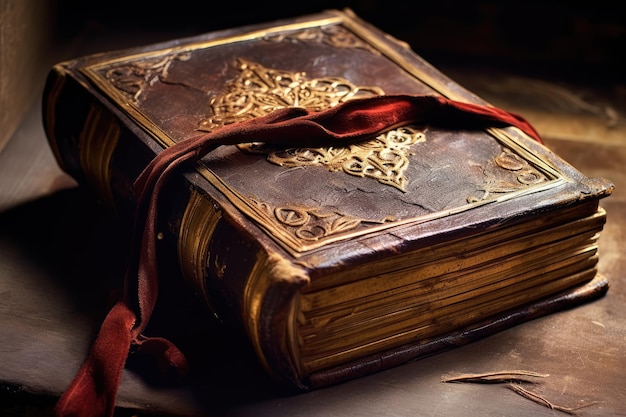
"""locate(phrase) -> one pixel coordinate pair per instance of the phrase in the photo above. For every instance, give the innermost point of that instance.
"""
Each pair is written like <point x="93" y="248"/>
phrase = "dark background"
<point x="577" y="42"/>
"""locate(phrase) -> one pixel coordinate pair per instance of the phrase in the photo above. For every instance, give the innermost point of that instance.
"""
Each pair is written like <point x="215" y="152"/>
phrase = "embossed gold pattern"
<point x="385" y="158"/>
<point x="333" y="35"/>
<point x="309" y="224"/>
<point x="259" y="90"/>
<point x="522" y="175"/>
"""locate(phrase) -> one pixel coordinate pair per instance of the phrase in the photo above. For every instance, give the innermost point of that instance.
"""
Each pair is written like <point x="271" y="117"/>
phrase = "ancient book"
<point x="339" y="257"/>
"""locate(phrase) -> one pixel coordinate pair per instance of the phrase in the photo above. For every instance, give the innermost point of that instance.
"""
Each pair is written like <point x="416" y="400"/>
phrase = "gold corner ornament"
<point x="507" y="173"/>
<point x="333" y="35"/>
<point x="132" y="78"/>
<point x="259" y="90"/>
<point x="308" y="224"/>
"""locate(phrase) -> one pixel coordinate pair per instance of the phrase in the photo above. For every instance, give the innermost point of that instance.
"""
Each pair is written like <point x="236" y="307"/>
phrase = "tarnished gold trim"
<point x="96" y="143"/>
<point x="270" y="269"/>
<point x="194" y="237"/>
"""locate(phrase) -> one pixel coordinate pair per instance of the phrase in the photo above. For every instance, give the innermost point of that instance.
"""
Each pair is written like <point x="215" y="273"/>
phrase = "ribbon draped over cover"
<point x="93" y="391"/>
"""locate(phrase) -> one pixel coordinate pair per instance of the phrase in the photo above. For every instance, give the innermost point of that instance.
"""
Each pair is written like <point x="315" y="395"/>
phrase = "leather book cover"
<point x="335" y="261"/>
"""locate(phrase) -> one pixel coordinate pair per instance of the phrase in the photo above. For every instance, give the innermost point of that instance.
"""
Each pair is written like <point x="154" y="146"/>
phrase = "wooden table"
<point x="56" y="258"/>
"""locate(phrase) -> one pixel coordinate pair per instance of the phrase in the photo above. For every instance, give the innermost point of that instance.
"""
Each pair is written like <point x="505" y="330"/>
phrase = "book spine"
<point x="241" y="280"/>
<point x="90" y="141"/>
